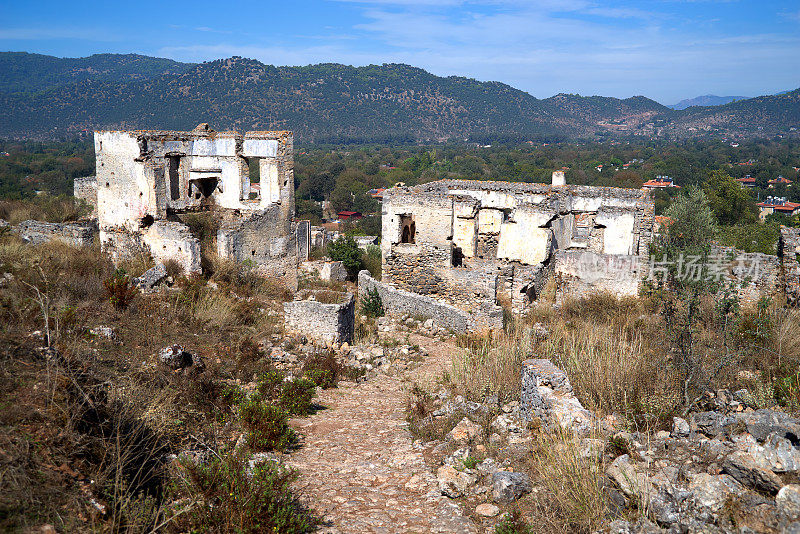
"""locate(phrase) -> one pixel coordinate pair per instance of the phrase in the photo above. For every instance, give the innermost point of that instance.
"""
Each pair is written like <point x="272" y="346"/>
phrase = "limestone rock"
<point x="176" y="357"/>
<point x="630" y="481"/>
<point x="680" y="427"/>
<point x="508" y="486"/>
<point x="453" y="483"/>
<point x="487" y="510"/>
<point x="711" y="492"/>
<point x="746" y="470"/>
<point x="547" y="394"/>
<point x="788" y="502"/>
<point x="465" y="432"/>
<point x="151" y="277"/>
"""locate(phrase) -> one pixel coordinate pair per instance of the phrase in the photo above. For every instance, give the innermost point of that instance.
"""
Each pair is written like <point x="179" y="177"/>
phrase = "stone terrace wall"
<point x="398" y="302"/>
<point x="79" y="234"/>
<point x="333" y="323"/>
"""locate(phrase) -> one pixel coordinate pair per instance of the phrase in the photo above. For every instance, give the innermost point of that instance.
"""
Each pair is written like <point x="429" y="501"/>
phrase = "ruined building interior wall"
<point x="480" y="244"/>
<point x="145" y="179"/>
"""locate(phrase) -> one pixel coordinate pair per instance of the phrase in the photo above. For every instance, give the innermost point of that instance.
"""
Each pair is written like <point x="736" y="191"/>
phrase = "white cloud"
<point x="544" y="48"/>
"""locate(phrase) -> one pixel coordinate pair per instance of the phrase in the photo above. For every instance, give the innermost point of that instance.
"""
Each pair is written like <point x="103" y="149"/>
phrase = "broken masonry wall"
<point x="398" y="302"/>
<point x="126" y="191"/>
<point x="85" y="189"/>
<point x="263" y="239"/>
<point x="579" y="273"/>
<point x="173" y="241"/>
<point x="330" y="322"/>
<point x="77" y="234"/>
<point x="303" y="233"/>
<point x="789" y="253"/>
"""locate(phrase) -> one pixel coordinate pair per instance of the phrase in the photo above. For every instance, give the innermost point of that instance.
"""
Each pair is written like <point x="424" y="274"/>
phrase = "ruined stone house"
<point x="476" y="244"/>
<point x="148" y="180"/>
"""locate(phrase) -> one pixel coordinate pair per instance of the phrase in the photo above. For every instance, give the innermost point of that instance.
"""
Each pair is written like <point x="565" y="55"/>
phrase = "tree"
<point x="730" y="203"/>
<point x="683" y="254"/>
<point x="345" y="249"/>
<point x="692" y="226"/>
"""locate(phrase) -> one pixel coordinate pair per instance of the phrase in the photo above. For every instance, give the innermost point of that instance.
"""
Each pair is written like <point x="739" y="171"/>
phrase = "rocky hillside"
<point x="47" y="97"/>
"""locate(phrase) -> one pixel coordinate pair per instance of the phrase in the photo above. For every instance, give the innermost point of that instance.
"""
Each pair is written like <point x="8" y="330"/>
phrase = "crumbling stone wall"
<point x="789" y="253"/>
<point x="78" y="234"/>
<point x="331" y="322"/>
<point x="472" y="243"/>
<point x="303" y="233"/>
<point x="173" y="241"/>
<point x="326" y="271"/>
<point x="148" y="178"/>
<point x="86" y="189"/>
<point x="579" y="273"/>
<point x="398" y="302"/>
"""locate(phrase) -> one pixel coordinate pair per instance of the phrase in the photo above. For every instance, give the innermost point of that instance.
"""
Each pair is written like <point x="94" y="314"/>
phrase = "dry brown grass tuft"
<point x="573" y="499"/>
<point x="43" y="208"/>
<point x="611" y="352"/>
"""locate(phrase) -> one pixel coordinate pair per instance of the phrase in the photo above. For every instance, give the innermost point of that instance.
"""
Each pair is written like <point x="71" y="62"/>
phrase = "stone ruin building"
<point x="147" y="181"/>
<point x="476" y="244"/>
<point x="460" y="251"/>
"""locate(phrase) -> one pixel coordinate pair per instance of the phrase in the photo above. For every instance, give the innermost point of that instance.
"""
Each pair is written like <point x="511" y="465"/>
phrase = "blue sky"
<point x="663" y="49"/>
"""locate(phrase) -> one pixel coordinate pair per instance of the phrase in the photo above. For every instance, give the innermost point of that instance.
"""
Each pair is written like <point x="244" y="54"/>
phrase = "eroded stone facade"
<point x="478" y="244"/>
<point x="147" y="179"/>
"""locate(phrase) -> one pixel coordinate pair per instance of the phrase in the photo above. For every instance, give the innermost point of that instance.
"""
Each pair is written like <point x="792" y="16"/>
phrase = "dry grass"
<point x="573" y="499"/>
<point x="608" y="348"/>
<point x="43" y="208"/>
<point x="611" y="370"/>
<point x="143" y="405"/>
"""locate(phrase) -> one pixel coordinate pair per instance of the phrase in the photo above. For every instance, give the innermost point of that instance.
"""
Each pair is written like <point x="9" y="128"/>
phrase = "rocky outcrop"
<point x="547" y="394"/>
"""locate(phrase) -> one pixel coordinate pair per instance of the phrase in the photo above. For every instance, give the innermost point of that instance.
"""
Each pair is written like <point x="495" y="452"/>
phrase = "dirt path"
<point x="359" y="466"/>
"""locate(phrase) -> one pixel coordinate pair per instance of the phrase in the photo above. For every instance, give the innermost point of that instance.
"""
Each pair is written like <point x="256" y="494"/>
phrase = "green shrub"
<point x="228" y="499"/>
<point x="293" y="395"/>
<point x="323" y="369"/>
<point x="119" y="289"/>
<point x="267" y="425"/>
<point x="269" y="384"/>
<point x="296" y="396"/>
<point x="371" y="260"/>
<point x="371" y="304"/>
<point x="512" y="524"/>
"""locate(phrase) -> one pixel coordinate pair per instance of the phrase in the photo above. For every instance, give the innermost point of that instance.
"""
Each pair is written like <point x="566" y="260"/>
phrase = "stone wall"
<point x="326" y="271"/>
<point x="78" y="234"/>
<point x="303" y="233"/>
<point x="262" y="238"/>
<point x="789" y="252"/>
<point x="330" y="322"/>
<point x="580" y="273"/>
<point x="169" y="240"/>
<point x="754" y="275"/>
<point x="86" y="189"/>
<point x="398" y="302"/>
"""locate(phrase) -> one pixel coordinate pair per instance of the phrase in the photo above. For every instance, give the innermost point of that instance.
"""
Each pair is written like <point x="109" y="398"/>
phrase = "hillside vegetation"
<point x="46" y="97"/>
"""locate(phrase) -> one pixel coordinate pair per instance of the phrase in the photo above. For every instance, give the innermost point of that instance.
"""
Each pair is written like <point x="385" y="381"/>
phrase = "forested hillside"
<point x="49" y="98"/>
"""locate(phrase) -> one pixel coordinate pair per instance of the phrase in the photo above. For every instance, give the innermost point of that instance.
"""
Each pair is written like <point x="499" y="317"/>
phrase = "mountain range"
<point x="706" y="100"/>
<point x="45" y="97"/>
